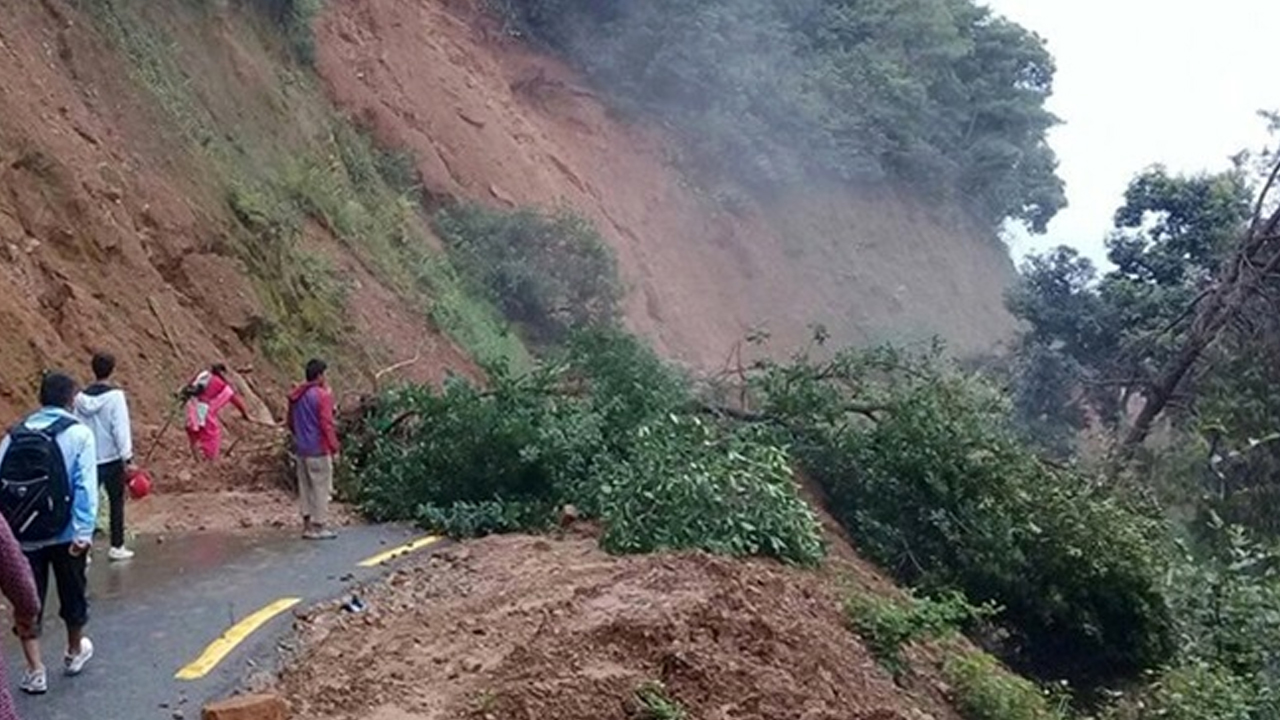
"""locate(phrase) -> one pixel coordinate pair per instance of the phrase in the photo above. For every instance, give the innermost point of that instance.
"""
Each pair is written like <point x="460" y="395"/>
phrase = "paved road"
<point x="155" y="615"/>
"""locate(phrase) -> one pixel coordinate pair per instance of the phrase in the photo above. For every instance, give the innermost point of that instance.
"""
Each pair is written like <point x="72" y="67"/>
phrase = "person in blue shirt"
<point x="66" y="554"/>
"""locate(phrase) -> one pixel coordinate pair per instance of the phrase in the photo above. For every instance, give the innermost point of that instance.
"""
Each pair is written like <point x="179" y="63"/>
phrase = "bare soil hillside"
<point x="491" y="120"/>
<point x="114" y="234"/>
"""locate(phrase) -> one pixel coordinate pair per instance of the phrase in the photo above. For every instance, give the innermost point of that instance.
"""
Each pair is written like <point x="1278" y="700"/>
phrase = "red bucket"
<point x="139" y="483"/>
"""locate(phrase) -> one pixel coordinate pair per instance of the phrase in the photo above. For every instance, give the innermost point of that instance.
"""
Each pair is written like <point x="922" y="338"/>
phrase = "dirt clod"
<point x="245" y="707"/>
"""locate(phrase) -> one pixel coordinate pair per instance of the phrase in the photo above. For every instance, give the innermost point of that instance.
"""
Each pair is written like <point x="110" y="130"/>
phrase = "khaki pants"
<point x="315" y="485"/>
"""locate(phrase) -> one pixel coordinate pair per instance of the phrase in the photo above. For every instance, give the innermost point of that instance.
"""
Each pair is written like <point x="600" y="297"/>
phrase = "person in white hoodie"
<point x="103" y="407"/>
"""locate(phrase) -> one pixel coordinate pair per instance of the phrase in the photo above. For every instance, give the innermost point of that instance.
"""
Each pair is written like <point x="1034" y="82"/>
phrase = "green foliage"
<point x="605" y="428"/>
<point x="986" y="691"/>
<point x="921" y="465"/>
<point x="654" y="703"/>
<point x="487" y="517"/>
<point x="1226" y="596"/>
<point x="941" y="94"/>
<point x="548" y="273"/>
<point x="888" y="625"/>
<point x="686" y="484"/>
<point x="1196" y="691"/>
<point x="1094" y="342"/>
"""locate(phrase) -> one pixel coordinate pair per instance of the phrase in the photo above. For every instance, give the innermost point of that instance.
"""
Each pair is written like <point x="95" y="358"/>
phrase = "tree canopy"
<point x="940" y="94"/>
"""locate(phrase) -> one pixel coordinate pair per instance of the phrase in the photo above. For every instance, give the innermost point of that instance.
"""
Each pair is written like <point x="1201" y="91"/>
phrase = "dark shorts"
<point x="69" y="575"/>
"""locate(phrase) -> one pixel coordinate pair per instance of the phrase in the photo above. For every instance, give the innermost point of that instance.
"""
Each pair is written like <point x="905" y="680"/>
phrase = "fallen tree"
<point x="1241" y="288"/>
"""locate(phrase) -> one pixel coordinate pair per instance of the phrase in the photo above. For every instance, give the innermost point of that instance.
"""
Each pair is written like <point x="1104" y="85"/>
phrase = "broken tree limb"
<point x="377" y="376"/>
<point x="1256" y="258"/>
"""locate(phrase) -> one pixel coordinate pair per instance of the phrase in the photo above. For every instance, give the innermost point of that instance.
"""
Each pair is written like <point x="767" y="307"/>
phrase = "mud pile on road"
<point x="518" y="627"/>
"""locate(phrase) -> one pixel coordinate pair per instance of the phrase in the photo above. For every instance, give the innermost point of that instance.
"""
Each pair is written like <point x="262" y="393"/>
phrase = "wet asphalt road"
<point x="153" y="615"/>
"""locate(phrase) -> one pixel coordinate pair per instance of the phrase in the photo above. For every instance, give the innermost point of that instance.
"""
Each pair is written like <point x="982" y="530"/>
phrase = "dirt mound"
<point x="519" y="627"/>
<point x="491" y="120"/>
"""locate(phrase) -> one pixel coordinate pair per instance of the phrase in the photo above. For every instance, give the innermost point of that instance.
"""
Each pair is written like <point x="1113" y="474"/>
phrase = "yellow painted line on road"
<point x="398" y="551"/>
<point x="236" y="634"/>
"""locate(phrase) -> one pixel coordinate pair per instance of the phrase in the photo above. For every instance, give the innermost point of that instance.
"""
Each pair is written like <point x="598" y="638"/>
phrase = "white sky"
<point x="1140" y="82"/>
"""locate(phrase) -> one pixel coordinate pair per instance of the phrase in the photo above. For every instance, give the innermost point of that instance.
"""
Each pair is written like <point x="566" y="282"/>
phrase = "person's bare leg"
<point x="31" y="652"/>
<point x="74" y="636"/>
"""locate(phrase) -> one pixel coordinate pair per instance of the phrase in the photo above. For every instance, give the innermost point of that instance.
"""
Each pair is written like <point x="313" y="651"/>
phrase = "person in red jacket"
<point x="315" y="438"/>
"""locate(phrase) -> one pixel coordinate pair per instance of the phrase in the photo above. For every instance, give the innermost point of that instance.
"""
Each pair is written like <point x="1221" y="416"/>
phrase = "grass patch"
<point x="273" y="183"/>
<point x="652" y="702"/>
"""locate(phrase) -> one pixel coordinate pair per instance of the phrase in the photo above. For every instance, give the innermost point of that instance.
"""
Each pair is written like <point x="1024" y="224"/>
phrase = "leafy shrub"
<point x="1194" y="691"/>
<point x="461" y="446"/>
<point x="921" y="466"/>
<point x="477" y="519"/>
<point x="606" y="428"/>
<point x="986" y="691"/>
<point x="1226" y="598"/>
<point x="549" y="273"/>
<point x="888" y="625"/>
<point x="686" y="484"/>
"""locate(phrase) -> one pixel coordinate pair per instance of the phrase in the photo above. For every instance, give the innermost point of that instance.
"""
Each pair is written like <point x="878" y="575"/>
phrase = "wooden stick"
<point x="151" y="302"/>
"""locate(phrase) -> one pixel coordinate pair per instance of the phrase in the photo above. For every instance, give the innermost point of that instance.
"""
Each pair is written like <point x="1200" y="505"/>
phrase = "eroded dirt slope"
<point x="491" y="120"/>
<point x="525" y="628"/>
<point x="114" y="233"/>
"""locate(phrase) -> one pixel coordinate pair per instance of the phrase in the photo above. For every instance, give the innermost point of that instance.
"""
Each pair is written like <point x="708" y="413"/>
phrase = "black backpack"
<point x="35" y="490"/>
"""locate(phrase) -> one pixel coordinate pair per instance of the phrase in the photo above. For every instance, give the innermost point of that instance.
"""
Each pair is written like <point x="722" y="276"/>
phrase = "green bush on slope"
<point x="605" y="428"/>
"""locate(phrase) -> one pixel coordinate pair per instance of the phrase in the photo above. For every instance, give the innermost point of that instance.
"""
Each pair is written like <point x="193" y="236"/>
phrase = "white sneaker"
<point x="34" y="682"/>
<point x="116" y="554"/>
<point x="74" y="664"/>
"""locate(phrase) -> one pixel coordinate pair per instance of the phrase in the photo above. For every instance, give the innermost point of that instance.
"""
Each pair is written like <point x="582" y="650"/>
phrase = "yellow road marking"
<point x="397" y="552"/>
<point x="234" y="635"/>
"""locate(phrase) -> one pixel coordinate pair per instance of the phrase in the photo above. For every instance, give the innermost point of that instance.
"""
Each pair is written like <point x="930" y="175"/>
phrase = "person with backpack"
<point x="49" y="499"/>
<point x="205" y="396"/>
<point x="103" y="407"/>
<point x="310" y="421"/>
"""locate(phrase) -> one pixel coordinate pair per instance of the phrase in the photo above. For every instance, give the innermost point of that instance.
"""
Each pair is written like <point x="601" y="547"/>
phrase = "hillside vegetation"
<point x="941" y="95"/>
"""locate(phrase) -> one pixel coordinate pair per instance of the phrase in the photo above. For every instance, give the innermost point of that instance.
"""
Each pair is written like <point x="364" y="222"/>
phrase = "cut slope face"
<point x="115" y="225"/>
<point x="492" y="121"/>
<point x="527" y="628"/>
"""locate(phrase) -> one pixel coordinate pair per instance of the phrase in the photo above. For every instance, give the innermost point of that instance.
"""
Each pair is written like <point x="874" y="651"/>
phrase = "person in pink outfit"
<point x="19" y="586"/>
<point x="205" y="396"/>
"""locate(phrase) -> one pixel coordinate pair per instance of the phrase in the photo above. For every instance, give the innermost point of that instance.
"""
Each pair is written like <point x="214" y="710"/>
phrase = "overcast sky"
<point x="1147" y="81"/>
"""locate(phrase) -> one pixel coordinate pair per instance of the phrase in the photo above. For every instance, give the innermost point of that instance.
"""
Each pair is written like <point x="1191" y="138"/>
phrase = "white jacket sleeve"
<point x="120" y="428"/>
